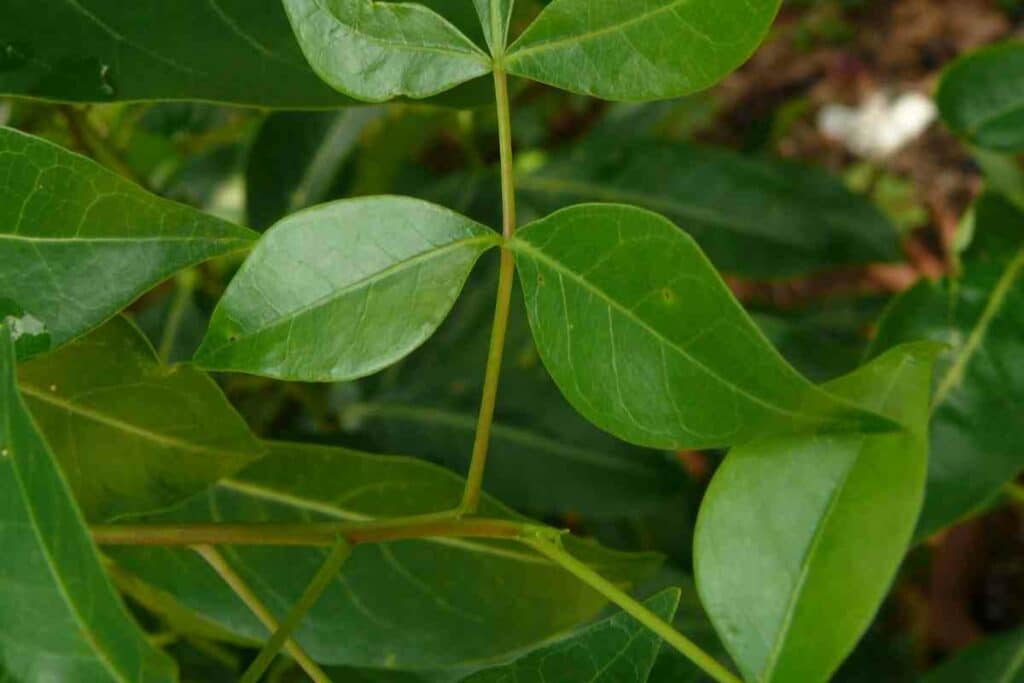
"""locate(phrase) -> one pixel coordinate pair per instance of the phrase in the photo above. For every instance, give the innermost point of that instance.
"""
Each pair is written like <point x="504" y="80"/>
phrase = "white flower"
<point x="880" y="126"/>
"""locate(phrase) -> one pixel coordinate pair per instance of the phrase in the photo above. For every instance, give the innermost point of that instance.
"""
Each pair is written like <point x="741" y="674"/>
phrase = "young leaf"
<point x="342" y="290"/>
<point x="646" y="341"/>
<point x="61" y="618"/>
<point x="544" y="459"/>
<point x="495" y="17"/>
<point x="997" y="658"/>
<point x="979" y="402"/>
<point x="799" y="537"/>
<point x="232" y="51"/>
<point x="616" y="649"/>
<point x="752" y="216"/>
<point x="296" y="158"/>
<point x="376" y="51"/>
<point x="79" y="243"/>
<point x="627" y="50"/>
<point x="132" y="435"/>
<point x="434" y="603"/>
<point x="981" y="97"/>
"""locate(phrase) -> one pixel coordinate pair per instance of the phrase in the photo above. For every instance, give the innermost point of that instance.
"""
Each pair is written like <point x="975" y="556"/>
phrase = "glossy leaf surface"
<point x="79" y="243"/>
<point x="981" y="97"/>
<point x="342" y="290"/>
<point x="61" y="618"/>
<point x="616" y="649"/>
<point x="628" y="50"/>
<point x="544" y="458"/>
<point x="997" y="658"/>
<point x="799" y="537"/>
<point x="376" y="51"/>
<point x="979" y="402"/>
<point x="296" y="158"/>
<point x="646" y="341"/>
<point x="132" y="435"/>
<point x="232" y="51"/>
<point x="751" y="216"/>
<point x="436" y="603"/>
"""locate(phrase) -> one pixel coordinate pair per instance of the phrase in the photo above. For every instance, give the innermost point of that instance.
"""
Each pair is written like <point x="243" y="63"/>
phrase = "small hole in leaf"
<point x="540" y="280"/>
<point x="668" y="295"/>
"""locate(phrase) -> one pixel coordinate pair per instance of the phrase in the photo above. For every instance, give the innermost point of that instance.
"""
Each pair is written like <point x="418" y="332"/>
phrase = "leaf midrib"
<point x="524" y="247"/>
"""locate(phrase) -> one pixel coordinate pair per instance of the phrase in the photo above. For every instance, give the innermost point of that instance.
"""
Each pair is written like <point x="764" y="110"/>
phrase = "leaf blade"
<point x="376" y="51"/>
<point x="171" y="431"/>
<point x="576" y="44"/>
<point x="581" y="271"/>
<point x="418" y="253"/>
<point x="61" y="615"/>
<point x="781" y="525"/>
<point x="79" y="243"/>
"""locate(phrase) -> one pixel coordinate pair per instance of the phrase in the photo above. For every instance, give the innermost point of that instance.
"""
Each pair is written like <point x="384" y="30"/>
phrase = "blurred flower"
<point x="880" y="126"/>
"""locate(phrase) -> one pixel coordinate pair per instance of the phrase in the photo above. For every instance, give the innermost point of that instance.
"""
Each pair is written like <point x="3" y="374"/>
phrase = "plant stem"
<point x="554" y="552"/>
<point x="446" y="525"/>
<point x="256" y="606"/>
<point x="506" y="277"/>
<point x="330" y="568"/>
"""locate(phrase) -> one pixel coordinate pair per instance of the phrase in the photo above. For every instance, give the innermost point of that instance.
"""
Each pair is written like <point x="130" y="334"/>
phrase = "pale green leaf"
<point x="799" y="537"/>
<point x="495" y="16"/>
<point x="646" y="341"/>
<point x="376" y="51"/>
<point x="627" y="50"/>
<point x="343" y="290"/>
<point x="414" y="605"/>
<point x="79" y="243"/>
<point x="61" y="619"/>
<point x="979" y="402"/>
<point x="615" y="650"/>
<point x="133" y="436"/>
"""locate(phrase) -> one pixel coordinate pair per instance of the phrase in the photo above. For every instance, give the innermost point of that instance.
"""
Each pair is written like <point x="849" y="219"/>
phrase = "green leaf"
<point x="629" y="51"/>
<point x="343" y="290"/>
<point x="544" y="459"/>
<point x="799" y="537"/>
<point x="981" y="97"/>
<point x="376" y="51"/>
<point x="616" y="649"/>
<point x="646" y="341"/>
<point x="79" y="243"/>
<point x="495" y="17"/>
<point x="296" y="158"/>
<point x="232" y="51"/>
<point x="132" y="435"/>
<point x="997" y="658"/>
<point x="979" y="402"/>
<point x="752" y="216"/>
<point x="411" y="605"/>
<point x="61" y="618"/>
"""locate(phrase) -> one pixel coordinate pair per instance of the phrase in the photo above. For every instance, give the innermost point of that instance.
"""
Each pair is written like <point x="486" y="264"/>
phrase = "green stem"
<point x="184" y="284"/>
<point x="554" y="552"/>
<point x="314" y="590"/>
<point x="445" y="525"/>
<point x="256" y="606"/>
<point x="506" y="277"/>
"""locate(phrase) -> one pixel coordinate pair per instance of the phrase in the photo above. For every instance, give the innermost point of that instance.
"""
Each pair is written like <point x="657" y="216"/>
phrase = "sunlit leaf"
<point x="799" y="537"/>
